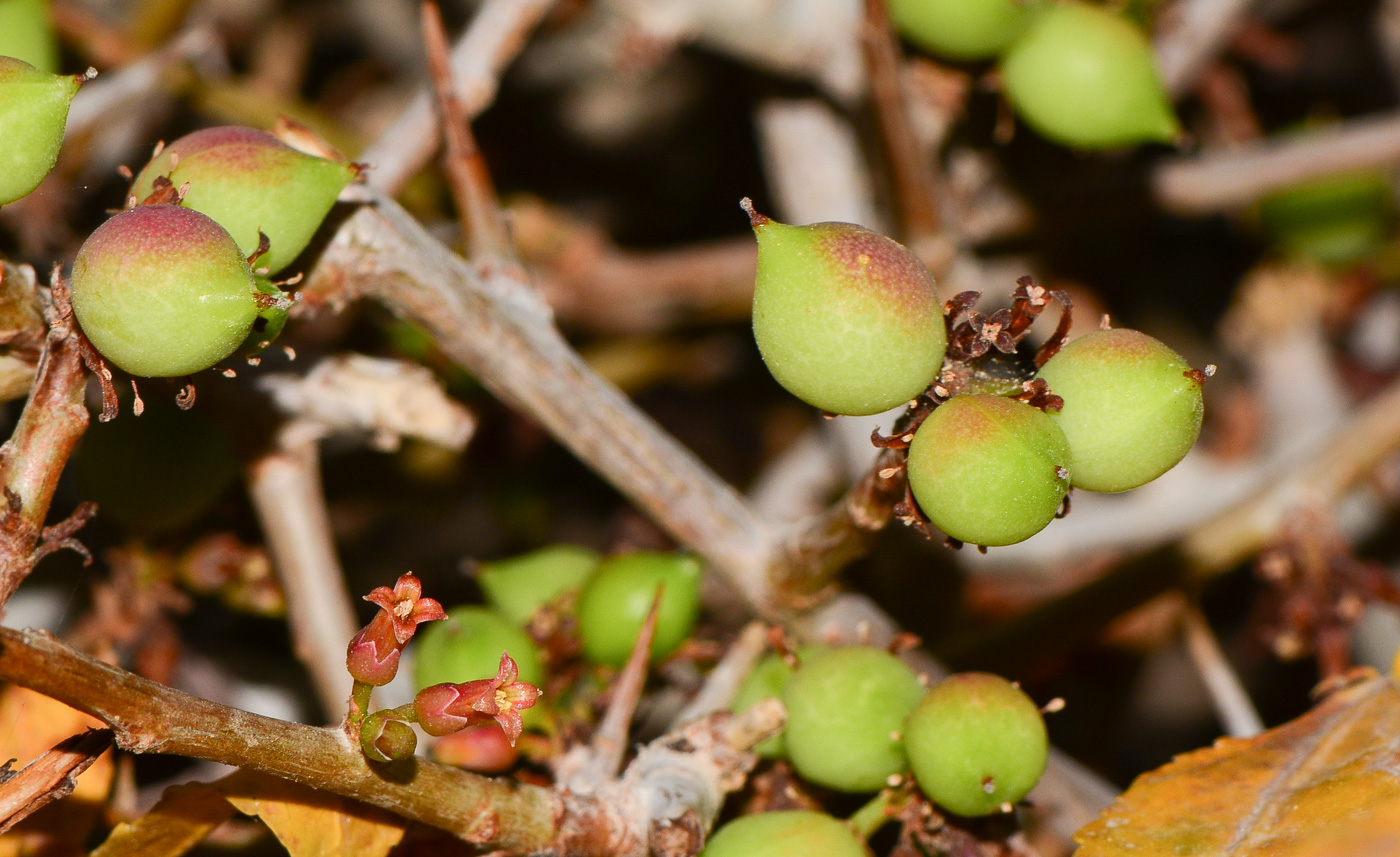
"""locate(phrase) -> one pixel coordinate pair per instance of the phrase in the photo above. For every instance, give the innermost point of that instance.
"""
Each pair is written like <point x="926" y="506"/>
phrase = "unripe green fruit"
<point x="519" y="586"/>
<point x="961" y="29"/>
<point x="1131" y="411"/>
<point x="787" y="833"/>
<point x="989" y="470"/>
<point x="846" y="708"/>
<point x="25" y="33"/>
<point x="33" y="113"/>
<point x="1085" y="77"/>
<point x="769" y="678"/>
<point x="248" y="181"/>
<point x="163" y="291"/>
<point x="846" y="319"/>
<point x="614" y="603"/>
<point x="467" y="645"/>
<point x="1335" y="220"/>
<point x="976" y="742"/>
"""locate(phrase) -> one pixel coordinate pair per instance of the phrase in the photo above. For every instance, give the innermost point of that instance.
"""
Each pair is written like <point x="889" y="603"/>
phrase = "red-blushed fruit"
<point x="33" y="115"/>
<point x="249" y="181"/>
<point x="484" y="749"/>
<point x="988" y="470"/>
<point x="846" y="319"/>
<point x="976" y="743"/>
<point x="163" y="291"/>
<point x="1132" y="409"/>
<point x="846" y="708"/>
<point x="786" y="833"/>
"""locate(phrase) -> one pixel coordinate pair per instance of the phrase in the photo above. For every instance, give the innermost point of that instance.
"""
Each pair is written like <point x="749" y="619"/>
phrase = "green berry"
<point x="1085" y="77"/>
<point x="787" y="833"/>
<point x="769" y="678"/>
<point x="249" y="181"/>
<point x="961" y="29"/>
<point x="846" y="708"/>
<point x="976" y="742"/>
<point x="614" y="603"/>
<point x="1336" y="219"/>
<point x="25" y="33"/>
<point x="519" y="586"/>
<point x="1131" y="410"/>
<point x="33" y="113"/>
<point x="163" y="291"/>
<point x="467" y="645"/>
<point x="846" y="319"/>
<point x="989" y="470"/>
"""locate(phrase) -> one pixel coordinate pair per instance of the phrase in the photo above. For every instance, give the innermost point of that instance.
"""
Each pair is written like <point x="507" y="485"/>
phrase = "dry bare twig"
<point x="51" y="776"/>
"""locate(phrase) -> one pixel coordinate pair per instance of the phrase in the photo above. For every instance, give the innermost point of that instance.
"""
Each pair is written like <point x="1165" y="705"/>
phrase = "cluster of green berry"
<point x="850" y="321"/>
<point x="1079" y="74"/>
<point x="180" y="280"/>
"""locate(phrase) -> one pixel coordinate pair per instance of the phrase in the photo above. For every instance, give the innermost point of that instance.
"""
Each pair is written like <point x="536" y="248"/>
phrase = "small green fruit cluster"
<point x="976" y="743"/>
<point x="519" y="586"/>
<point x="846" y="319"/>
<point x="786" y="833"/>
<point x="1085" y="77"/>
<point x="33" y="113"/>
<point x="614" y="603"/>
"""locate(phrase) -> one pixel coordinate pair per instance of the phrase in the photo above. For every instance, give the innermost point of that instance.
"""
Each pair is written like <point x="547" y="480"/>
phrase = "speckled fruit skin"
<point x="163" y="291"/>
<point x="961" y="29"/>
<point x="985" y="469"/>
<point x="769" y="677"/>
<point x="25" y="33"/>
<point x="519" y="586"/>
<point x="845" y="709"/>
<point x="847" y="320"/>
<point x="249" y="180"/>
<point x="33" y="113"/>
<point x="614" y="603"/>
<point x="1086" y="78"/>
<point x="976" y="742"/>
<point x="787" y="833"/>
<point x="467" y="645"/>
<point x="1131" y="413"/>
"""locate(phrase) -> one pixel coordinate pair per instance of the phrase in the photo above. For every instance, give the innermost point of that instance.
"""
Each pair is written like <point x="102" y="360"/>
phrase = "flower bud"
<point x="385" y="739"/>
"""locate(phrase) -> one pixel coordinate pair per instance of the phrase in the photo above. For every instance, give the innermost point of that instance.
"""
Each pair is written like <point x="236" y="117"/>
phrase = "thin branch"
<point x="31" y="461"/>
<point x="51" y="776"/>
<point x="1232" y="704"/>
<point x="483" y="226"/>
<point x="495" y="36"/>
<point x="1197" y="32"/>
<point x="683" y="775"/>
<point x="1222" y="180"/>
<point x="496" y="326"/>
<point x="285" y="486"/>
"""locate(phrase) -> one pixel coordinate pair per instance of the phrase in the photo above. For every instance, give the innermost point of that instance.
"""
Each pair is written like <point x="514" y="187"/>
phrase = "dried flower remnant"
<point x="446" y="708"/>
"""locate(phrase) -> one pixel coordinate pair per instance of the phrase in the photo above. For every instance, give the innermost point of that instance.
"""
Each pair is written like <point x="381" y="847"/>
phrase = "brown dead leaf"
<point x="1326" y="783"/>
<point x="183" y="818"/>
<point x="312" y="823"/>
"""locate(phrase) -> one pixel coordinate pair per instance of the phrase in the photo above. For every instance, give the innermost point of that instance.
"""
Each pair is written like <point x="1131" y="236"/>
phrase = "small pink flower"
<point x="406" y="607"/>
<point x="446" y="708"/>
<point x="373" y="655"/>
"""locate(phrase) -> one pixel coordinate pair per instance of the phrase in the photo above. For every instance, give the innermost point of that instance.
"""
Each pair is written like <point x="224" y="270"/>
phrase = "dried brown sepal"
<point x="1057" y="339"/>
<point x="264" y="245"/>
<point x="1036" y="393"/>
<point x="60" y="536"/>
<point x="185" y="398"/>
<point x="164" y="192"/>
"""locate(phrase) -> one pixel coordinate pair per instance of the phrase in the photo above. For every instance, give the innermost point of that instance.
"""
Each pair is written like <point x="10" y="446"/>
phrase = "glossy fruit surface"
<point x="847" y="320"/>
<point x="976" y="742"/>
<point x="1335" y="219"/>
<point x="614" y="603"/>
<point x="163" y="291"/>
<point x="248" y="181"/>
<point x="846" y="708"/>
<point x="519" y="586"/>
<point x="25" y="33"/>
<point x="787" y="833"/>
<point x="769" y="678"/>
<point x="1085" y="77"/>
<point x="33" y="113"/>
<point x="987" y="470"/>
<point x="467" y="645"/>
<point x="961" y="29"/>
<point x="1131" y="411"/>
